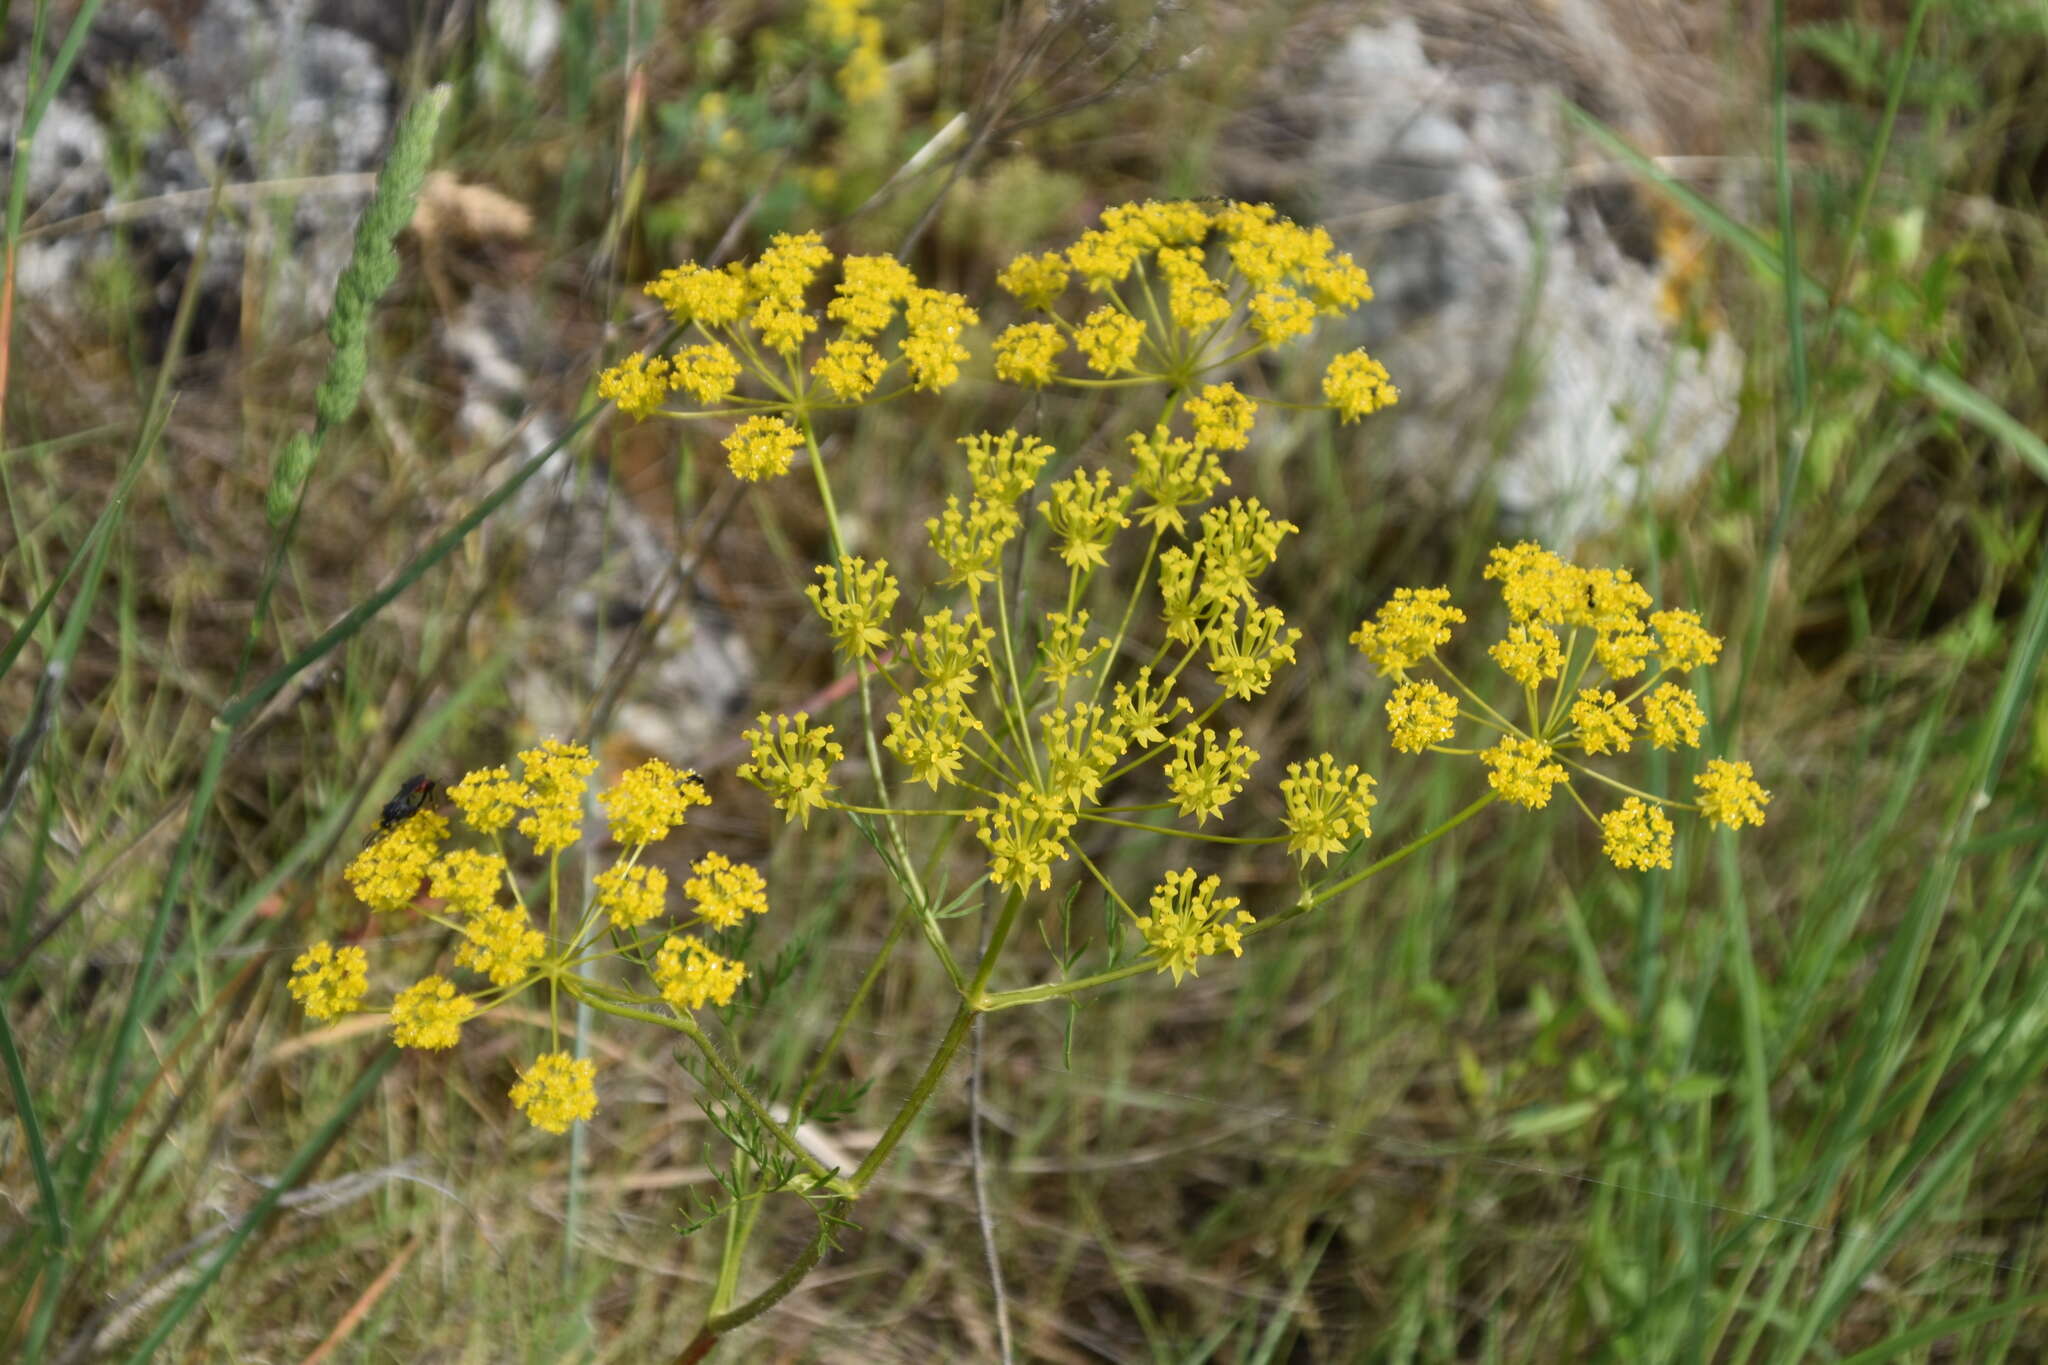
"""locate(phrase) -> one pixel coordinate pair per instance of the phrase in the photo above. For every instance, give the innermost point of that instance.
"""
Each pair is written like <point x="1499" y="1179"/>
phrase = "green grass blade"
<point x="1943" y="387"/>
<point x="287" y="1180"/>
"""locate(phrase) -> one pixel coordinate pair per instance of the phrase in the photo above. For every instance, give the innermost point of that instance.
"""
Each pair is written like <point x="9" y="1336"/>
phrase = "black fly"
<point x="413" y="796"/>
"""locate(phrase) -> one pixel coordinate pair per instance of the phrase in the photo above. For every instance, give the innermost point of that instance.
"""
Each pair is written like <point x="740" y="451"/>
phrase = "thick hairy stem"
<point x="719" y="1324"/>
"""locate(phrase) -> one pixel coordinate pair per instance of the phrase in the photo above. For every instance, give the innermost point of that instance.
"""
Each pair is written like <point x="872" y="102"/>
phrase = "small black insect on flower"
<point x="412" y="797"/>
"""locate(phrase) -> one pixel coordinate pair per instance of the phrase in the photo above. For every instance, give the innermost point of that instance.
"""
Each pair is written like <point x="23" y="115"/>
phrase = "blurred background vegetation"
<point x="1784" y="1103"/>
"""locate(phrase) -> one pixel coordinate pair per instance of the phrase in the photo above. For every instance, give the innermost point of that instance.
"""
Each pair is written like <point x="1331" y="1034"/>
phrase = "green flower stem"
<point x="685" y="1025"/>
<point x="1033" y="995"/>
<point x="719" y="1324"/>
<point x="867" y="711"/>
<point x="1499" y="720"/>
<point x="1130" y="607"/>
<point x="1619" y="785"/>
<point x="1173" y="833"/>
<point x="963" y="1019"/>
<point x="1013" y="708"/>
<point x="1329" y="893"/>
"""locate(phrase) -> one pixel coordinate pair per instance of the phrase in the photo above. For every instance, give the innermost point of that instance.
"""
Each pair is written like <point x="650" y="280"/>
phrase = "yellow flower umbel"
<point x="761" y="352"/>
<point x="1177" y="291"/>
<point x="1328" y="808"/>
<point x="509" y="940"/>
<point x="430" y="1014"/>
<point x="1568" y="627"/>
<point x="1189" y="922"/>
<point x="387" y="874"/>
<point x="690" y="975"/>
<point x="330" y="981"/>
<point x="792" y="761"/>
<point x="649" y="801"/>
<point x="556" y="1091"/>
<point x="725" y="892"/>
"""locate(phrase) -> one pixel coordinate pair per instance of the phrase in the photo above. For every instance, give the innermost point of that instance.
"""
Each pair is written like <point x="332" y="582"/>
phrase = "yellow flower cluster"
<point x="1189" y="922"/>
<point x="757" y="321"/>
<point x="499" y="938"/>
<point x="1186" y="289"/>
<point x="556" y="1091"/>
<point x="1564" y="623"/>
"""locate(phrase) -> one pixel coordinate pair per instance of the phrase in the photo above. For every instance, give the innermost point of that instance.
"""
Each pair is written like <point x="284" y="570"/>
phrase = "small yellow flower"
<point x="1108" y="338"/>
<point x="1189" y="922"/>
<point x="948" y="650"/>
<point x="707" y="372"/>
<point x="1637" y="836"/>
<point x="787" y="269"/>
<point x="688" y="974"/>
<point x="1537" y="585"/>
<point x="1028" y="354"/>
<point x="1205" y="774"/>
<point x="1035" y="281"/>
<point x="782" y="323"/>
<point x="1408" y="628"/>
<point x="1243" y="655"/>
<point x="1356" y="385"/>
<point x="556" y="775"/>
<point x="1180" y="608"/>
<point x="1530" y="654"/>
<point x="726" y="892"/>
<point x="936" y="320"/>
<point x="1004" y="467"/>
<point x="1173" y="472"/>
<point x="1279" y="314"/>
<point x="1420" y="714"/>
<point x="638" y="385"/>
<point x="1066" y="648"/>
<point x="649" y="801"/>
<point x="1621" y="652"/>
<point x="1675" y="717"/>
<point x="968" y="542"/>
<point x="430" y="1014"/>
<point x="1222" y="417"/>
<point x="1603" y="722"/>
<point x="1086" y="514"/>
<point x="387" y="874"/>
<point x="928" y="734"/>
<point x="870" y="287"/>
<point x="1102" y="259"/>
<point x="631" y="894"/>
<point x="1522" y="771"/>
<point x="556" y="1091"/>
<point x="1328" y="808"/>
<point x="500" y="944"/>
<point x="691" y="293"/>
<point x="854" y="601"/>
<point x="1240" y="541"/>
<point x="1729" y="794"/>
<point x="1081" y="746"/>
<point x="1687" y="644"/>
<point x="1194" y="300"/>
<point x="467" y="879"/>
<point x="761" y="448"/>
<point x="489" y="799"/>
<point x="330" y="981"/>
<point x="1025" y="835"/>
<point x="851" y="369"/>
<point x="1143" y="708"/>
<point x="792" y="761"/>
